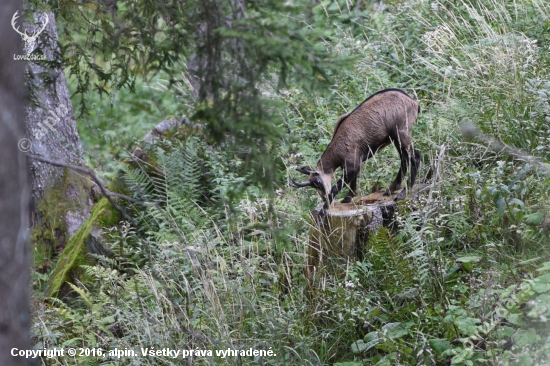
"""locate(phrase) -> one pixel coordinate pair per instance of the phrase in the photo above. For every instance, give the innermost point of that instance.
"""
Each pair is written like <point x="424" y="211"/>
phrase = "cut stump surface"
<point x="340" y="240"/>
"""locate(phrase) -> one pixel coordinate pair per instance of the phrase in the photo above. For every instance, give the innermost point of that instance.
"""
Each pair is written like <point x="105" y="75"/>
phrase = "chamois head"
<point x="317" y="179"/>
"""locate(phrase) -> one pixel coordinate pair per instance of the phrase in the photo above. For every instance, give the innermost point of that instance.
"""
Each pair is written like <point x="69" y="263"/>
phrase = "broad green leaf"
<point x="469" y="259"/>
<point x="467" y="326"/>
<point x="541" y="284"/>
<point x="463" y="356"/>
<point x="545" y="267"/>
<point x="333" y="7"/>
<point x="507" y="292"/>
<point x="371" y="336"/>
<point x="451" y="271"/>
<point x="528" y="261"/>
<point x="534" y="219"/>
<point x="525" y="337"/>
<point x="500" y="206"/>
<point x="505" y="332"/>
<point x="107" y="320"/>
<point x="524" y="360"/>
<point x="361" y="346"/>
<point x="358" y="347"/>
<point x="517" y="202"/>
<point x="515" y="319"/>
<point x="396" y="330"/>
<point x="439" y="345"/>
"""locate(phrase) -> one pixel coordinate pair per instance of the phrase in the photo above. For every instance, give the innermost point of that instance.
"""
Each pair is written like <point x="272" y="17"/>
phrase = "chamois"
<point x="385" y="117"/>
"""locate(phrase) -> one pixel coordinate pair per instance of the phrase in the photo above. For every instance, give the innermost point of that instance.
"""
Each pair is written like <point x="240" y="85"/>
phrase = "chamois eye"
<point x="317" y="183"/>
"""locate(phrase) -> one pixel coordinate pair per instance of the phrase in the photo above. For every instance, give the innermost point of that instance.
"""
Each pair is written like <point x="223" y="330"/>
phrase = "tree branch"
<point x="108" y="194"/>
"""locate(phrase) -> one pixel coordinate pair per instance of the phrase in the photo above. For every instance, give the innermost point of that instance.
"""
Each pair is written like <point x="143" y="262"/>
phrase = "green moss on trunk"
<point x="68" y="198"/>
<point x="75" y="253"/>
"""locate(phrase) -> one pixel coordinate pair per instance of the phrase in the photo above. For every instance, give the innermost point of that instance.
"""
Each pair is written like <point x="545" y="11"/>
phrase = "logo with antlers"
<point x="30" y="40"/>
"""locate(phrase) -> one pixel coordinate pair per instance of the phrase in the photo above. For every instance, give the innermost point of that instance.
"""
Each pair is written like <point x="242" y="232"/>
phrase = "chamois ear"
<point x="305" y="170"/>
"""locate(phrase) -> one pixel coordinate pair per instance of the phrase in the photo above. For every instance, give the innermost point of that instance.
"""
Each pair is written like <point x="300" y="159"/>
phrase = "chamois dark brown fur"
<point x="383" y="118"/>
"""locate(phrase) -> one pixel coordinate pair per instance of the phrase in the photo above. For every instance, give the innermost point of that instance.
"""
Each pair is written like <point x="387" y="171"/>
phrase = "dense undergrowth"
<point x="465" y="280"/>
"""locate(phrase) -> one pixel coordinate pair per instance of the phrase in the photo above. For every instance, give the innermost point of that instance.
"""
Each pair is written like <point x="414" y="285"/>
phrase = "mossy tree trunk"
<point x="62" y="199"/>
<point x="14" y="200"/>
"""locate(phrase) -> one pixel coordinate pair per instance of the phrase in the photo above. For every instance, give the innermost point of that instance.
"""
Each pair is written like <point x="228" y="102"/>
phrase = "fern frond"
<point x="85" y="295"/>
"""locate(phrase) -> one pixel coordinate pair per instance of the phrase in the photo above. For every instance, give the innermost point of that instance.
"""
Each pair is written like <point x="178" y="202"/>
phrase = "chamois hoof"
<point x="346" y="199"/>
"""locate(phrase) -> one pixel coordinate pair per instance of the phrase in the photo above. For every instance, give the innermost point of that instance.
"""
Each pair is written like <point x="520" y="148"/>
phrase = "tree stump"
<point x="339" y="241"/>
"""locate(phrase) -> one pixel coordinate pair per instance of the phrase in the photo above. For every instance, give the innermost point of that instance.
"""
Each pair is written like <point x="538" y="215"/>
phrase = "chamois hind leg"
<point x="403" y="150"/>
<point x="415" y="164"/>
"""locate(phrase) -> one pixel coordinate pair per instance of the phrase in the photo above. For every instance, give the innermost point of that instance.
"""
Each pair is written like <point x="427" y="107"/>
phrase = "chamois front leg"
<point x="333" y="193"/>
<point x="350" y="179"/>
<point x="330" y="197"/>
<point x="335" y="190"/>
<point x="352" y="188"/>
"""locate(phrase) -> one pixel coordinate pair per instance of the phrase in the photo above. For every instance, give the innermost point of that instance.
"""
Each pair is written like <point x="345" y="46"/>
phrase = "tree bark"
<point x="14" y="199"/>
<point x="62" y="198"/>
